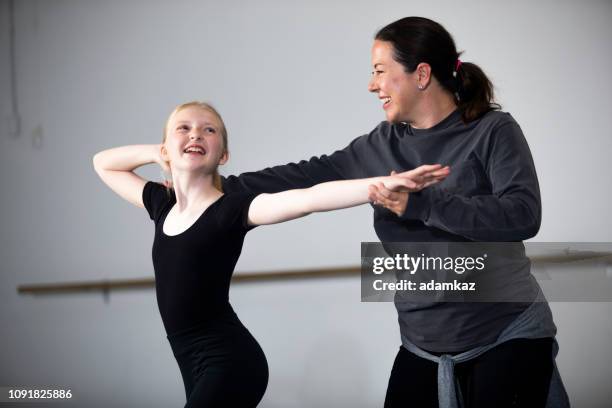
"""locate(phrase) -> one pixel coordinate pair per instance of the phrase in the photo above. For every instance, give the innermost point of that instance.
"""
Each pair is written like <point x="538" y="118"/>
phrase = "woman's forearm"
<point x="126" y="158"/>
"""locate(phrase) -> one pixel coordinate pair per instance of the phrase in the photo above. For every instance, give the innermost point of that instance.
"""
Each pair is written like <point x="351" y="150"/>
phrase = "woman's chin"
<point x="391" y="116"/>
<point x="393" y="119"/>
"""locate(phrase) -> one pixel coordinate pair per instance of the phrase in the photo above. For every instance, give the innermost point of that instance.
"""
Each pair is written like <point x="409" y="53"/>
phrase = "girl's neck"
<point x="192" y="189"/>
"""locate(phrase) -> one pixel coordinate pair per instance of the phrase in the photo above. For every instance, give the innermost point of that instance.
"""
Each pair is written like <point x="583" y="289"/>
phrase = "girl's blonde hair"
<point x="209" y="108"/>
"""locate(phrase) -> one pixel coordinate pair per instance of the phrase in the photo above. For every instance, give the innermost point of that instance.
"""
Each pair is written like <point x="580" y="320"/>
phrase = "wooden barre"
<point x="145" y="283"/>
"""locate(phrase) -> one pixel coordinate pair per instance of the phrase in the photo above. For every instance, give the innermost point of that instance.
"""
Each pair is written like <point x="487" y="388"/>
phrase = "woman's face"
<point x="194" y="141"/>
<point x="397" y="89"/>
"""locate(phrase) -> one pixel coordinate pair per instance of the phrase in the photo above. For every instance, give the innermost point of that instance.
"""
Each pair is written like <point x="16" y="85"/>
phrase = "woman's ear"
<point x="423" y="71"/>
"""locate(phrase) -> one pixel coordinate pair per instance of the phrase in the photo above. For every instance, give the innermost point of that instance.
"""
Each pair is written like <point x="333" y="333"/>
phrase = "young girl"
<point x="199" y="233"/>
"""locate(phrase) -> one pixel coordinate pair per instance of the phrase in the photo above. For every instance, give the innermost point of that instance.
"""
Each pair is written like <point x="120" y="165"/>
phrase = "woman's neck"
<point x="434" y="109"/>
<point x="193" y="189"/>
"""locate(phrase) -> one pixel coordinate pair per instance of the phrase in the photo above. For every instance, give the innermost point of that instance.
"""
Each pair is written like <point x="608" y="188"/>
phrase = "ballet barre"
<point x="105" y="286"/>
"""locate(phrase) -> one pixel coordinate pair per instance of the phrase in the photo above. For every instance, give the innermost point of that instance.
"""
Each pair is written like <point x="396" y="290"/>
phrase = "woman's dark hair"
<point x="418" y="39"/>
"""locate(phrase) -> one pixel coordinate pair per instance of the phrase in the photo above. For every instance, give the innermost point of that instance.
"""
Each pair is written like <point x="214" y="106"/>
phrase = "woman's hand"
<point x="393" y="193"/>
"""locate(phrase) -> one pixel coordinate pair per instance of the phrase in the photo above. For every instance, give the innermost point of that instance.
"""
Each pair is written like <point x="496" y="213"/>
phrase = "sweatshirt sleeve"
<point x="512" y="212"/>
<point x="342" y="164"/>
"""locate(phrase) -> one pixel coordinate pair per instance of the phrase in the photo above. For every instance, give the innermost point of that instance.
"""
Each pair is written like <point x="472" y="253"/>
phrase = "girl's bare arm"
<point x="116" y="169"/>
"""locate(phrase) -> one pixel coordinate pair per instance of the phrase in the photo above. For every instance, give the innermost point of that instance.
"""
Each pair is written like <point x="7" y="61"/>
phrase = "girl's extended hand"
<point x="393" y="193"/>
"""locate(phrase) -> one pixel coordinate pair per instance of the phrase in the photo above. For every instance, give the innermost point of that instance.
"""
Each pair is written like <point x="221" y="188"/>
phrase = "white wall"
<point x="290" y="80"/>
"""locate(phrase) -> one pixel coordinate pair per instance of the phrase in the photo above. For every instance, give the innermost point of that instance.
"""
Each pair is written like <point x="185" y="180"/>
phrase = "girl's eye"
<point x="183" y="127"/>
<point x="211" y="130"/>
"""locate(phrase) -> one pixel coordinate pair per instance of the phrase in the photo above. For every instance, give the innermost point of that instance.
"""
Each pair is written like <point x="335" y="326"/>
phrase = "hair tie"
<point x="457" y="64"/>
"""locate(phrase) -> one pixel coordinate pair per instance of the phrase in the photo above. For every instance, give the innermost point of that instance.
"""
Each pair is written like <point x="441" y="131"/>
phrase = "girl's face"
<point x="194" y="141"/>
<point x="397" y="89"/>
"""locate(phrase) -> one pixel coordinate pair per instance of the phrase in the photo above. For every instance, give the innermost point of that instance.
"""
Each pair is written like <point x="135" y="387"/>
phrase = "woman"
<point x="441" y="110"/>
<point x="199" y="233"/>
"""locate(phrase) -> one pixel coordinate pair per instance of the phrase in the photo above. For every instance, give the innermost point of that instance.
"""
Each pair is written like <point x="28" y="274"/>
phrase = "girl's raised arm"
<point x="116" y="169"/>
<point x="334" y="195"/>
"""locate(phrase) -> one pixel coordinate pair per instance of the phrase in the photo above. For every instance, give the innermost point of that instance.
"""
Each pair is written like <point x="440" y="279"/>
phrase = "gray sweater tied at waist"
<point x="535" y="322"/>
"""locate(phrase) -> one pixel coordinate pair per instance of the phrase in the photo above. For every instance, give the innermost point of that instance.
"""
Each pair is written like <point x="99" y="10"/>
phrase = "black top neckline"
<point x="197" y="220"/>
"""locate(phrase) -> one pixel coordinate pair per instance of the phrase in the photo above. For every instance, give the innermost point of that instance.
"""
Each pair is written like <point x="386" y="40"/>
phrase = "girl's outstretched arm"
<point x="116" y="169"/>
<point x="335" y="195"/>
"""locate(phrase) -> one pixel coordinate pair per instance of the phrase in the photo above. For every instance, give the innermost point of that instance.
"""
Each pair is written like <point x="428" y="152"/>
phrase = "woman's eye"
<point x="183" y="127"/>
<point x="211" y="130"/>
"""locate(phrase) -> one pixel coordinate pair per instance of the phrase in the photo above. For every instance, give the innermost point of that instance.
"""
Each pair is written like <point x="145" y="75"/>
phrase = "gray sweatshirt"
<point x="492" y="194"/>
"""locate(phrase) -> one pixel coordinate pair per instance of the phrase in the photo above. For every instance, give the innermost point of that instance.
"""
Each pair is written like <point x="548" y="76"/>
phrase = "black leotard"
<point x="220" y="362"/>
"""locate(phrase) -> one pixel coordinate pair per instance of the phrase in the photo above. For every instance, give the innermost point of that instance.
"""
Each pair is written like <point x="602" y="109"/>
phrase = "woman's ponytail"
<point x="474" y="91"/>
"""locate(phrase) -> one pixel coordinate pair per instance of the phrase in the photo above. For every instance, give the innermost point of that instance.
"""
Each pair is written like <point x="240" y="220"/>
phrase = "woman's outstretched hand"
<point x="393" y="193"/>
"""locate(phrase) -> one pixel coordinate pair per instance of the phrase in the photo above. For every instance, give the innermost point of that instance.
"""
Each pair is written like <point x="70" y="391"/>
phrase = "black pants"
<point x="222" y="365"/>
<point x="514" y="374"/>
